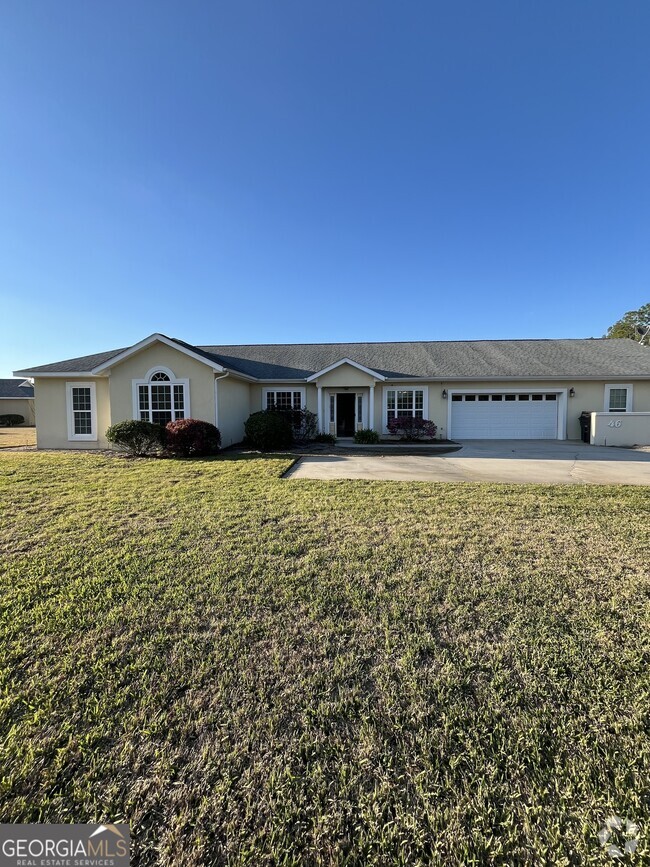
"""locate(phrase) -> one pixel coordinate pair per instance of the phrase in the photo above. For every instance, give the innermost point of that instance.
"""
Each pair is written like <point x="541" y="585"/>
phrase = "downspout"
<point x="216" y="396"/>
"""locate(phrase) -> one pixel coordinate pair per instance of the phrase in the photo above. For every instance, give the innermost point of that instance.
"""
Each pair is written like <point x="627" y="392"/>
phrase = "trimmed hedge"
<point x="11" y="419"/>
<point x="268" y="431"/>
<point x="192" y="438"/>
<point x="412" y="429"/>
<point x="136" y="438"/>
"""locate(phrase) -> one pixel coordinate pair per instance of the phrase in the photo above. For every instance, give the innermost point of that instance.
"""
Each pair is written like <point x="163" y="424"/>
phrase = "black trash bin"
<point x="585" y="426"/>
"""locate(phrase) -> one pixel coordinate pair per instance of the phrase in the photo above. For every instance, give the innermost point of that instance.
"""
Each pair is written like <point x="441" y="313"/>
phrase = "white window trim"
<point x="72" y="436"/>
<point x="387" y="388"/>
<point x="630" y="396"/>
<point x="136" y="383"/>
<point x="562" y="407"/>
<point x="265" y="391"/>
<point x="331" y="400"/>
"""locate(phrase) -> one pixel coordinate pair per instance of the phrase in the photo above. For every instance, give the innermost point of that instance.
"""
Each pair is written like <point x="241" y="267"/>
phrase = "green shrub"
<point x="10" y="420"/>
<point x="367" y="436"/>
<point x="268" y="430"/>
<point x="328" y="438"/>
<point x="304" y="423"/>
<point x="191" y="437"/>
<point x="137" y="438"/>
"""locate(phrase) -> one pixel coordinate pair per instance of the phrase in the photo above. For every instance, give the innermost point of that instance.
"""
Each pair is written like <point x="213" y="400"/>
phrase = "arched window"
<point x="160" y="397"/>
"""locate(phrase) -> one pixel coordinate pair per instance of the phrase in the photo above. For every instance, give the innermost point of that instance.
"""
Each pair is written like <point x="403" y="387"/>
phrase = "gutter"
<point x="216" y="396"/>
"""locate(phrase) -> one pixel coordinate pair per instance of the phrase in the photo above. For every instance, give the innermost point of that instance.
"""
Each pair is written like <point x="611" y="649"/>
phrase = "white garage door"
<point x="504" y="416"/>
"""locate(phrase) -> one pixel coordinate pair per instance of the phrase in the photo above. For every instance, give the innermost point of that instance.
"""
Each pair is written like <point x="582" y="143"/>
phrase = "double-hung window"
<point x="161" y="398"/>
<point x="82" y="411"/>
<point x="286" y="399"/>
<point x="618" y="398"/>
<point x="401" y="402"/>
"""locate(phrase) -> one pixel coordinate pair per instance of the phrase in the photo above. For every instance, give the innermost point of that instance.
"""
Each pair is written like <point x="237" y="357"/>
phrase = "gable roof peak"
<point x="340" y="363"/>
<point x="157" y="337"/>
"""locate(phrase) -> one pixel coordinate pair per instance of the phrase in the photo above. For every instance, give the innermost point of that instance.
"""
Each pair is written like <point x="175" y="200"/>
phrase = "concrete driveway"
<point x="511" y="461"/>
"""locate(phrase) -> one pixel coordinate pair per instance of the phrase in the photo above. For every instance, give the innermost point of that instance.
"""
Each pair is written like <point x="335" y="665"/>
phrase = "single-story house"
<point x="17" y="398"/>
<point x="493" y="389"/>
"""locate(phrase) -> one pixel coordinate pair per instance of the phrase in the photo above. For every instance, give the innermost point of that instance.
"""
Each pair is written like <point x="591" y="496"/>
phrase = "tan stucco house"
<point x="17" y="398"/>
<point x="492" y="389"/>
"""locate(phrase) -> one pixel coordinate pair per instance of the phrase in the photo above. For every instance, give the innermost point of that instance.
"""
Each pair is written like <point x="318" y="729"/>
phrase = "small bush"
<point x="328" y="438"/>
<point x="412" y="429"/>
<point x="10" y="420"/>
<point x="367" y="436"/>
<point x="192" y="438"/>
<point x="268" y="430"/>
<point x="304" y="423"/>
<point x="136" y="438"/>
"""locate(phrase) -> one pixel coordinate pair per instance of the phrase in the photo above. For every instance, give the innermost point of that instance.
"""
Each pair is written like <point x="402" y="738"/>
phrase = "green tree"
<point x="635" y="325"/>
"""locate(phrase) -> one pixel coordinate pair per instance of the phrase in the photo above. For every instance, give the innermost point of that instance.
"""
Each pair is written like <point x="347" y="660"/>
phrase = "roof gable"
<point x="17" y="389"/>
<point x="185" y="348"/>
<point x="342" y="362"/>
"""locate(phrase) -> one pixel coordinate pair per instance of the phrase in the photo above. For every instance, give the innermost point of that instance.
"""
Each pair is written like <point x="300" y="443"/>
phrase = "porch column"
<point x="371" y="408"/>
<point x="319" y="410"/>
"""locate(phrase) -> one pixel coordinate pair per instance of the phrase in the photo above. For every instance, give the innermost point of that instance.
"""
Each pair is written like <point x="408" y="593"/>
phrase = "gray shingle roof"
<point x="15" y="388"/>
<point x="83" y="364"/>
<point x="445" y="359"/>
<point x="466" y="359"/>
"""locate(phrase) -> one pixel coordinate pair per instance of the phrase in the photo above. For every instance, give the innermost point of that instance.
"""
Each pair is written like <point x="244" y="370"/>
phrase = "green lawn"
<point x="266" y="672"/>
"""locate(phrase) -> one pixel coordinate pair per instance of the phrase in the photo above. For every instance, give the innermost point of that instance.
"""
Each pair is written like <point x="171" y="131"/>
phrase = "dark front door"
<point x="345" y="415"/>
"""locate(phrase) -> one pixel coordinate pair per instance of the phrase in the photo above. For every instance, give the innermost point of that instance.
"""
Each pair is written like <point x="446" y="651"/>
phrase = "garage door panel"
<point x="501" y="418"/>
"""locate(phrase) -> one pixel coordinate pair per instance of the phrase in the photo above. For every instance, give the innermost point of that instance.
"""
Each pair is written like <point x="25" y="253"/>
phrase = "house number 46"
<point x="615" y="423"/>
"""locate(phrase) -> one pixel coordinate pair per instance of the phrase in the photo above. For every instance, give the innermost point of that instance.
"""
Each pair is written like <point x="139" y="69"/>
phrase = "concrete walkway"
<point x="511" y="461"/>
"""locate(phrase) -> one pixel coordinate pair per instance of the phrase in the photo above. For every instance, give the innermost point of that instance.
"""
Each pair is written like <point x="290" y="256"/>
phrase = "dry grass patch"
<point x="261" y="672"/>
<point x="11" y="437"/>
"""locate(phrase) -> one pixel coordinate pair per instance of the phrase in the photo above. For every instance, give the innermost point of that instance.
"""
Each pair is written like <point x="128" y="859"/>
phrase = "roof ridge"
<point x="410" y="342"/>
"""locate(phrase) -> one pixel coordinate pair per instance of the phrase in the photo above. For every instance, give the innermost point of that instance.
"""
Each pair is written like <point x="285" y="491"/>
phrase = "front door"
<point x="345" y="411"/>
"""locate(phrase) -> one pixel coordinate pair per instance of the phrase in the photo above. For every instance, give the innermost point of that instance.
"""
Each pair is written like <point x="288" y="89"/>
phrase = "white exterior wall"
<point x="620" y="429"/>
<point x="18" y="406"/>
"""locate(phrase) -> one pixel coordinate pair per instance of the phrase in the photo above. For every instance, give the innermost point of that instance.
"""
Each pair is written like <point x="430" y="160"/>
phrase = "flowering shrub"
<point x="191" y="437"/>
<point x="408" y="428"/>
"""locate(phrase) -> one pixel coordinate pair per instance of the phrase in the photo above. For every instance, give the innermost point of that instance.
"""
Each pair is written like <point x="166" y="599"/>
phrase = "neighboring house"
<point x="494" y="389"/>
<point x="17" y="398"/>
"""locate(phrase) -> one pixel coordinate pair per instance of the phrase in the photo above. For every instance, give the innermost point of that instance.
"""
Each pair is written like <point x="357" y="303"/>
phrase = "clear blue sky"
<point x="278" y="171"/>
